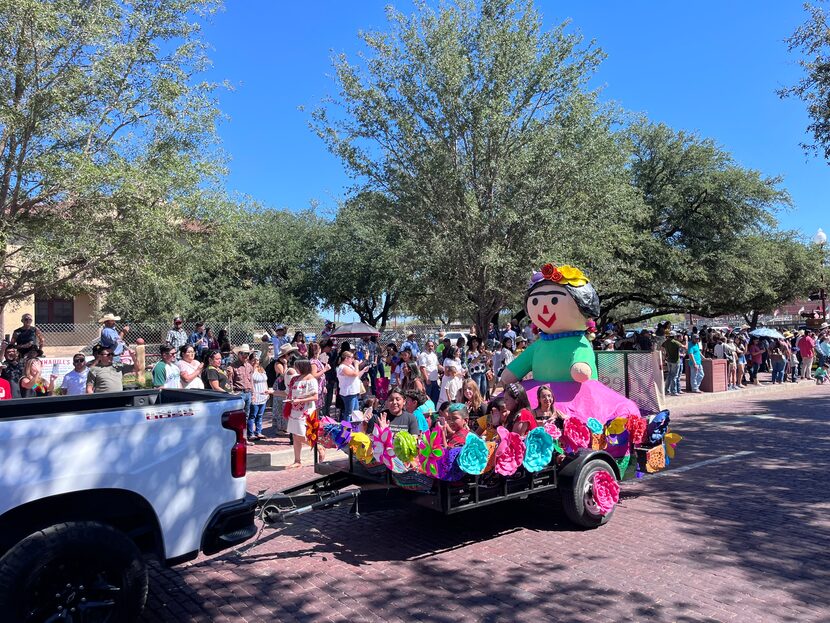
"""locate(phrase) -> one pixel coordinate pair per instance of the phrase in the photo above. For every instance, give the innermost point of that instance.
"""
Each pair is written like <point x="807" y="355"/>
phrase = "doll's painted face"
<point x="553" y="310"/>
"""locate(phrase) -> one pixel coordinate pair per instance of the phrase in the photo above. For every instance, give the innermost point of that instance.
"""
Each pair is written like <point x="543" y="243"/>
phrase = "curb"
<point x="264" y="461"/>
<point x="687" y="399"/>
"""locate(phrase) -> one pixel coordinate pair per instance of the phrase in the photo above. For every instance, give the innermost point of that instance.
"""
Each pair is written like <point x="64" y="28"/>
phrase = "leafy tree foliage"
<point x="812" y="40"/>
<point x="707" y="242"/>
<point x="106" y="139"/>
<point x="368" y="261"/>
<point x="476" y="125"/>
<point x="254" y="264"/>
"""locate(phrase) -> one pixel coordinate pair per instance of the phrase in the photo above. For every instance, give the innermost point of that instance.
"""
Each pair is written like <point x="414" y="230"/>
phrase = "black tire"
<point x="578" y="502"/>
<point x="91" y="571"/>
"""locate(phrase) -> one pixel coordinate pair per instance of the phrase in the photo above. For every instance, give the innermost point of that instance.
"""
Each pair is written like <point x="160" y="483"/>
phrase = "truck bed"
<point x="67" y="405"/>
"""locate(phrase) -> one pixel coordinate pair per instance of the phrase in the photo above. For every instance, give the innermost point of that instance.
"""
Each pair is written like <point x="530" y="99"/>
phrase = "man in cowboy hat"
<point x="110" y="338"/>
<point x="412" y="344"/>
<point x="240" y="373"/>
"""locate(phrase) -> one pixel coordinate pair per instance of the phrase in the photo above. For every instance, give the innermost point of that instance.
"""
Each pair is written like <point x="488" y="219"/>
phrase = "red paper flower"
<point x="576" y="435"/>
<point x="551" y="272"/>
<point x="636" y="427"/>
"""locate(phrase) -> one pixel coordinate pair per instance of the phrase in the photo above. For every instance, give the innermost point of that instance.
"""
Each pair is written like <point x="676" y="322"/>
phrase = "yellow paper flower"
<point x="671" y="439"/>
<point x="572" y="276"/>
<point x="616" y="426"/>
<point x="361" y="445"/>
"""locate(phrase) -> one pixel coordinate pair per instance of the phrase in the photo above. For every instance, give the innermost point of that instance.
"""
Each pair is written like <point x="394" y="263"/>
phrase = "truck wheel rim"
<point x="71" y="594"/>
<point x="588" y="502"/>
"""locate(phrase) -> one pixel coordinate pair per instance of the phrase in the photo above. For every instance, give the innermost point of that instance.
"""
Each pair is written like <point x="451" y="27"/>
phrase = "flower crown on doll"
<point x="563" y="275"/>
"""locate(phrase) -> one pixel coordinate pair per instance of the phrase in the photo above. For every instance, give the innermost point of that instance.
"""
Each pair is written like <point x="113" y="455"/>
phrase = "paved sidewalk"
<point x="735" y="530"/>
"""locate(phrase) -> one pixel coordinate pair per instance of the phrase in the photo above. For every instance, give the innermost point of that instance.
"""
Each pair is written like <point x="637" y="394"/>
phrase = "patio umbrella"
<point x="355" y="329"/>
<point x="766" y="332"/>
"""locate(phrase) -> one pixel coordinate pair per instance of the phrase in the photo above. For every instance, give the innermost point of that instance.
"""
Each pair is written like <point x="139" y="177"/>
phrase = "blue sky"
<point x="710" y="67"/>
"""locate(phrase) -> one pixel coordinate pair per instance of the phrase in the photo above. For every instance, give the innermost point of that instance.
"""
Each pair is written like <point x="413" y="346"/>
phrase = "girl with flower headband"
<point x="559" y="301"/>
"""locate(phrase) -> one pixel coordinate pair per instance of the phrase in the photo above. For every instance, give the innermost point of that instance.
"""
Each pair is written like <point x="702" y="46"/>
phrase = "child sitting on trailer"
<point x="487" y="424"/>
<point x="455" y="425"/>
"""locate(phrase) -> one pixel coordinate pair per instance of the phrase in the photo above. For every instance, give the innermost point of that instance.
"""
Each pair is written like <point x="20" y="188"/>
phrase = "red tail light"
<point x="237" y="422"/>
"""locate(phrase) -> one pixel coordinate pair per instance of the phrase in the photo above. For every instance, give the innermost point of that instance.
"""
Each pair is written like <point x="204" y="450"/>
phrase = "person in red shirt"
<point x="5" y="390"/>
<point x="455" y="425"/>
<point x="520" y="420"/>
<point x="807" y="347"/>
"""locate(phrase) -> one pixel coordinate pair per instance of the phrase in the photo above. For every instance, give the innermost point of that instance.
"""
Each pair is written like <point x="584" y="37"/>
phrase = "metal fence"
<point x="83" y="335"/>
<point x="637" y="375"/>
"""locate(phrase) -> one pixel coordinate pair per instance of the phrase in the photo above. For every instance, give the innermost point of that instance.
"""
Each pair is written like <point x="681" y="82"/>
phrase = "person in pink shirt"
<point x="807" y="347"/>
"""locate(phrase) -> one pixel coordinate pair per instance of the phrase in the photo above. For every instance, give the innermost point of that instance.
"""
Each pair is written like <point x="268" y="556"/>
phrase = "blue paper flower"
<point x="594" y="426"/>
<point x="474" y="455"/>
<point x="538" y="450"/>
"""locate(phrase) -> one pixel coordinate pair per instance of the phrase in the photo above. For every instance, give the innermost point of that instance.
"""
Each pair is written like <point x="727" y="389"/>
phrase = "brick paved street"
<point x="744" y="539"/>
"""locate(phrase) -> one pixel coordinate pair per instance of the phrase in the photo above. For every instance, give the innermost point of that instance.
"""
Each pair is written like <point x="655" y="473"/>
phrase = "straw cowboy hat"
<point x="244" y="348"/>
<point x="286" y="349"/>
<point x="108" y="317"/>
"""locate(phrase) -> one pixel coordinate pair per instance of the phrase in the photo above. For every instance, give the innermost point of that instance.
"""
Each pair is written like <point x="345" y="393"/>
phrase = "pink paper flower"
<point x="510" y="452"/>
<point x="552" y="429"/>
<point x="576" y="434"/>
<point x="606" y="491"/>
<point x="383" y="447"/>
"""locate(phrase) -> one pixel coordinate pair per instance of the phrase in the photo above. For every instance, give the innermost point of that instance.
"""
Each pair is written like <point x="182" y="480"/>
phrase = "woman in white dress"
<point x="302" y="394"/>
<point x="190" y="369"/>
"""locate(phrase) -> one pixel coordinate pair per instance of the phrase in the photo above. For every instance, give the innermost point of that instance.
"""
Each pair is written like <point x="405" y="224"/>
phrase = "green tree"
<point x="812" y="41"/>
<point x="693" y="240"/>
<point x="107" y="144"/>
<point x="369" y="262"/>
<point x="476" y="125"/>
<point x="253" y="264"/>
<point x="761" y="272"/>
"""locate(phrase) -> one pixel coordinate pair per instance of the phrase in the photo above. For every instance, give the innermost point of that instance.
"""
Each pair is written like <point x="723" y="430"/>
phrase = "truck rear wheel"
<point x="579" y="503"/>
<point x="79" y="571"/>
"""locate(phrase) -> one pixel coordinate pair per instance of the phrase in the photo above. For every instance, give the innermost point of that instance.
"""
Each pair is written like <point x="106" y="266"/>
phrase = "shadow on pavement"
<point x="765" y="515"/>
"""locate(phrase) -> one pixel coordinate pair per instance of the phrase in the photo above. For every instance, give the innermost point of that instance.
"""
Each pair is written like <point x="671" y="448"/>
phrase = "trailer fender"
<point x="570" y="469"/>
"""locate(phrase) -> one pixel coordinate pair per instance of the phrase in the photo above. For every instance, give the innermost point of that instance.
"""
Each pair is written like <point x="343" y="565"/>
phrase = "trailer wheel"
<point x="579" y="503"/>
<point x="79" y="571"/>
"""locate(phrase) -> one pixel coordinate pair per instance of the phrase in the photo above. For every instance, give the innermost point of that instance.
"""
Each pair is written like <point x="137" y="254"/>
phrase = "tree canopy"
<point x="107" y="144"/>
<point x="475" y="124"/>
<point x="812" y="40"/>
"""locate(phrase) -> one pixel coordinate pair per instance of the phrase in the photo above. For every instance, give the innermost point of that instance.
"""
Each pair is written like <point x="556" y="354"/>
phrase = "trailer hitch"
<point x="277" y="508"/>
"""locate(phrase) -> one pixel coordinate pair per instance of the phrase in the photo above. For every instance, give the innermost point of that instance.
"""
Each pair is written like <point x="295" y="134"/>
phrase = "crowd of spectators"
<point x="341" y="378"/>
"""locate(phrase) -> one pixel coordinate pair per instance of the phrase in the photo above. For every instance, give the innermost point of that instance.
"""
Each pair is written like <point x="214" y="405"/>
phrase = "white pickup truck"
<point x="91" y="485"/>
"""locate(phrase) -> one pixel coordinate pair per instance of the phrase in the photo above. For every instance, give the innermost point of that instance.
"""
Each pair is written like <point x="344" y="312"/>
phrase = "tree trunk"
<point x="753" y="319"/>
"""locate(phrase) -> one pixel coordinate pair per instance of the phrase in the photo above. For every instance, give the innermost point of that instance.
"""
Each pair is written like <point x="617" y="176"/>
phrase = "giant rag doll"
<point x="559" y="301"/>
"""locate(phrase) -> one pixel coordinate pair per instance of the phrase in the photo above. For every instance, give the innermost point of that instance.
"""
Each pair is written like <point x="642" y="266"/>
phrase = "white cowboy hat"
<point x="242" y="349"/>
<point x="108" y="317"/>
<point x="288" y="348"/>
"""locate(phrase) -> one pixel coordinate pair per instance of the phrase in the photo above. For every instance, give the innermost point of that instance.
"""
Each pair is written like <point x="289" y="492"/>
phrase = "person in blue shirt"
<point x="695" y="359"/>
<point x="199" y="339"/>
<point x="112" y="339"/>
<point x="412" y="344"/>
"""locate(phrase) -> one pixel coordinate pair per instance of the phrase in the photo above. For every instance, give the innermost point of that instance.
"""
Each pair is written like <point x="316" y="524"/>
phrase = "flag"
<point x="776" y="313"/>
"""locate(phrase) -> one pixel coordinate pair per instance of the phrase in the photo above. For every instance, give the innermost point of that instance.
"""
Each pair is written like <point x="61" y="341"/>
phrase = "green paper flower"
<point x="406" y="446"/>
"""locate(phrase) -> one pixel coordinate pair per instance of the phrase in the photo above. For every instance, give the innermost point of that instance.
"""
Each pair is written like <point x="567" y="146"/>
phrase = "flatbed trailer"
<point x="370" y="488"/>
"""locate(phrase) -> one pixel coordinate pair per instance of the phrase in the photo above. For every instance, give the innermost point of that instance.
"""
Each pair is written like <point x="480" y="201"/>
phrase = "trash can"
<point x="714" y="376"/>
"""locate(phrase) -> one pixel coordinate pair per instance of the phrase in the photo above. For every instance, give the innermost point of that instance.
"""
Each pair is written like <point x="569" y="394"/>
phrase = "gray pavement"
<point x="735" y="530"/>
